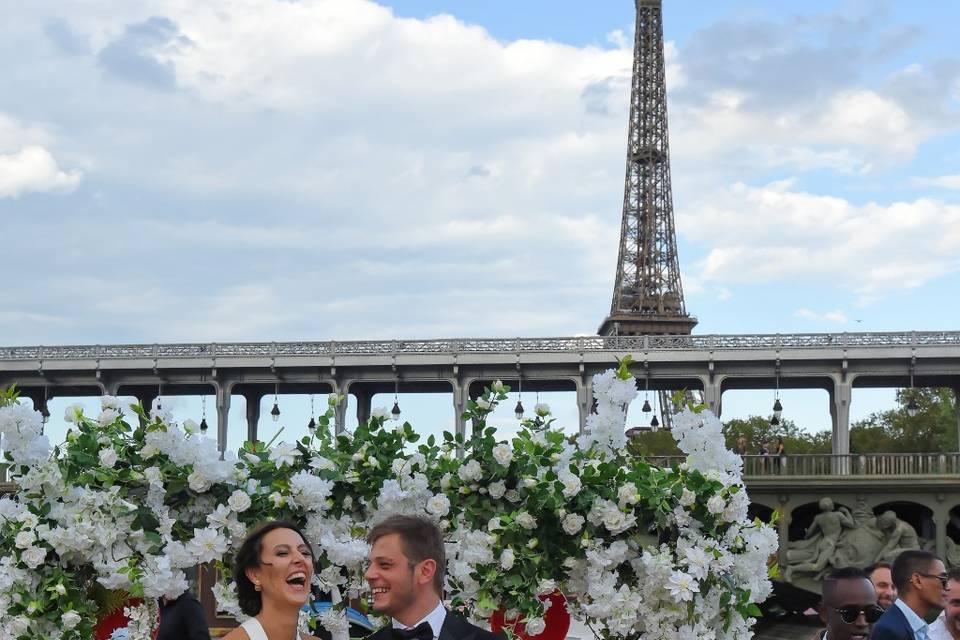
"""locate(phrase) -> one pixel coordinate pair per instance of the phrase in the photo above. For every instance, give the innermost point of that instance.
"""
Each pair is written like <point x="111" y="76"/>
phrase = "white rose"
<point x="107" y="416"/>
<point x="528" y="483"/>
<point x="542" y="409"/>
<point x="572" y="523"/>
<point x="571" y="485"/>
<point x="198" y="482"/>
<point x="239" y="501"/>
<point x="445" y="481"/>
<point x="153" y="475"/>
<point x="439" y="505"/>
<point x="483" y="404"/>
<point x="526" y="520"/>
<point x="716" y="504"/>
<point x="512" y="495"/>
<point x="60" y="589"/>
<point x="73" y="412"/>
<point x="108" y="457"/>
<point x="24" y="539"/>
<point x="33" y="557"/>
<point x="627" y="494"/>
<point x="497" y="489"/>
<point x="687" y="498"/>
<point x="494" y="524"/>
<point x="380" y="413"/>
<point x="535" y="626"/>
<point x="497" y="386"/>
<point x="506" y="559"/>
<point x="546" y="587"/>
<point x="70" y="619"/>
<point x="503" y="454"/>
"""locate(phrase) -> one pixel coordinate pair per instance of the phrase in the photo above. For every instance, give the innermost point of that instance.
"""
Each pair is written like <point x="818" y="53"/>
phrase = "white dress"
<point x="255" y="630"/>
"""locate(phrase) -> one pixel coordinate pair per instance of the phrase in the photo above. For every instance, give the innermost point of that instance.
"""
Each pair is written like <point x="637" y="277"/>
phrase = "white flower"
<point x="571" y="484"/>
<point x="506" y="559"/>
<point x="107" y="416"/>
<point x="503" y="454"/>
<point x="682" y="586"/>
<point x="33" y="557"/>
<point x="542" y="409"/>
<point x="716" y="504"/>
<point x="239" y="501"/>
<point x="199" y="482"/>
<point x="526" y="520"/>
<point x="546" y="587"/>
<point x="470" y="472"/>
<point x="25" y="538"/>
<point x="687" y="498"/>
<point x="535" y="626"/>
<point x="497" y="489"/>
<point x="494" y="524"/>
<point x="497" y="386"/>
<point x="380" y="413"/>
<point x="284" y="453"/>
<point x="70" y="619"/>
<point x="207" y="545"/>
<point x="108" y="457"/>
<point x="438" y="505"/>
<point x="572" y="523"/>
<point x="484" y="404"/>
<point x="73" y="412"/>
<point x="512" y="495"/>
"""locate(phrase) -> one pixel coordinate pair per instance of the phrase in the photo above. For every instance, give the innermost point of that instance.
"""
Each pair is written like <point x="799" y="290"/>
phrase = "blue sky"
<point x="342" y="169"/>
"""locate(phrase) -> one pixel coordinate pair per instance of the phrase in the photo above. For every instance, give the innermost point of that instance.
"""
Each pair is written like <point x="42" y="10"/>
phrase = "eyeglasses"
<point x="849" y="615"/>
<point x="942" y="578"/>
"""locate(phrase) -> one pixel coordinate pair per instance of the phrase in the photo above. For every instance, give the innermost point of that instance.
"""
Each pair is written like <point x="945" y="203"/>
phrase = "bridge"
<point x="712" y="364"/>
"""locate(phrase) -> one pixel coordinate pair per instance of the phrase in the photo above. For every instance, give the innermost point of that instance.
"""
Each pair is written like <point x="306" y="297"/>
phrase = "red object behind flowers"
<point x="115" y="620"/>
<point x="557" y="620"/>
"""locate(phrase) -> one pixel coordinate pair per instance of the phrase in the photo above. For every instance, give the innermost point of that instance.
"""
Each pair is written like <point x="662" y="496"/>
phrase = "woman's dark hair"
<point x="248" y="557"/>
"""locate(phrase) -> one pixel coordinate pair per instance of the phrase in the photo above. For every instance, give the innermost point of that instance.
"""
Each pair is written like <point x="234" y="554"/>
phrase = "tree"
<point x="932" y="429"/>
<point x="757" y="429"/>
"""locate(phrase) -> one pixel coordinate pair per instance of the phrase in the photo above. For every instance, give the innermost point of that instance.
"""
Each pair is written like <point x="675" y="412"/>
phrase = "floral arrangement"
<point x="132" y="499"/>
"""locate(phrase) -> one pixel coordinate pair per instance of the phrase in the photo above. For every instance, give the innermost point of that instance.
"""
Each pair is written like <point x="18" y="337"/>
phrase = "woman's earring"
<point x="256" y="585"/>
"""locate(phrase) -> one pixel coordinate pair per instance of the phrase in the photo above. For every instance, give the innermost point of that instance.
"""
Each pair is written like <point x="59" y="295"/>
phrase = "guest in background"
<point x="879" y="575"/>
<point x="742" y="446"/>
<point x="921" y="581"/>
<point x="764" y="454"/>
<point x="947" y="626"/>
<point x="182" y="619"/>
<point x="849" y="606"/>
<point x="780" y="455"/>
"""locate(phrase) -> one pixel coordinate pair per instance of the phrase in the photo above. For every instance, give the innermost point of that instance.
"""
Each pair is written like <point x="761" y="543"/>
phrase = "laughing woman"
<point x="273" y="570"/>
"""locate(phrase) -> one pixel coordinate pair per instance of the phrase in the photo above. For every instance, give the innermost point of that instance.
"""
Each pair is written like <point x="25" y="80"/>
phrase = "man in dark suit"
<point x="921" y="580"/>
<point x="849" y="606"/>
<point x="182" y="619"/>
<point x="407" y="563"/>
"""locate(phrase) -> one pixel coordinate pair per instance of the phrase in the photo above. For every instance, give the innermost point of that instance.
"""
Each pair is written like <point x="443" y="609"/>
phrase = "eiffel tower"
<point x="648" y="294"/>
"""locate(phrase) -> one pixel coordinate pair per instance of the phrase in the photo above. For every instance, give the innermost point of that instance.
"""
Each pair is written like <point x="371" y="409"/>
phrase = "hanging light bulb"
<point x="912" y="408"/>
<point x="44" y="409"/>
<point x="777" y="408"/>
<point x="654" y="423"/>
<point x="518" y="410"/>
<point x="395" y="412"/>
<point x="160" y="397"/>
<point x="275" y="412"/>
<point x="646" y="396"/>
<point x="774" y="421"/>
<point x="313" y="423"/>
<point x="203" y="415"/>
<point x="646" y="407"/>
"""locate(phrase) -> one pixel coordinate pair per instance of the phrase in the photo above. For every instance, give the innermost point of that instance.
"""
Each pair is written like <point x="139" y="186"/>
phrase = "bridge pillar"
<point x="712" y="396"/>
<point x="840" y="413"/>
<point x="783" y="532"/>
<point x="223" y="416"/>
<point x="941" y="517"/>
<point x="956" y="408"/>
<point x="585" y="401"/>
<point x="364" y="405"/>
<point x="459" y="406"/>
<point x="253" y="414"/>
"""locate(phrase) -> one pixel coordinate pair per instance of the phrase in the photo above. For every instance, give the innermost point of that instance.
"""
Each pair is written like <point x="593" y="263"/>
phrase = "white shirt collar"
<point x="938" y="629"/>
<point x="435" y="618"/>
<point x="917" y="624"/>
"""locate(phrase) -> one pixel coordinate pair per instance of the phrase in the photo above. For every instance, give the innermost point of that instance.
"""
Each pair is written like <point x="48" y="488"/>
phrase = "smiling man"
<point x="407" y="563"/>
<point x="849" y="606"/>
<point x="921" y="580"/>
<point x="947" y="626"/>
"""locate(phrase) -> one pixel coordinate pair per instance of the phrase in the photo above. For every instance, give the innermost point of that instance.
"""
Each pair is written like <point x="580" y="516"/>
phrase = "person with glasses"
<point x="921" y="581"/>
<point x="849" y="606"/>
<point x="947" y="626"/>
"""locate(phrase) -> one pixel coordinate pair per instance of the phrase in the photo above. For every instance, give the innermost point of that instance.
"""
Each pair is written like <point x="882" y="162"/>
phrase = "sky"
<point x="348" y="169"/>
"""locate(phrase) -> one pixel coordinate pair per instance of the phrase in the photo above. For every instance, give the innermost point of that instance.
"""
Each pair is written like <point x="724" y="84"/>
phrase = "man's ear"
<point x="426" y="571"/>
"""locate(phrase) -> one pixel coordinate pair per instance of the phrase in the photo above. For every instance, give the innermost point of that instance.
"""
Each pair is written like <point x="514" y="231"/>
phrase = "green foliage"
<point x="934" y="428"/>
<point x="757" y="430"/>
<point x="9" y="395"/>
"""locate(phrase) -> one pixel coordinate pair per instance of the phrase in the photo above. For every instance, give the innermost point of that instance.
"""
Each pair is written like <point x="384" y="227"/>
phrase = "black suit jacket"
<point x="183" y="619"/>
<point x="892" y="625"/>
<point x="454" y="628"/>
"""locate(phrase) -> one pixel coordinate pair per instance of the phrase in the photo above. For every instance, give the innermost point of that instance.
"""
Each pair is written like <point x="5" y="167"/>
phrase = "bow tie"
<point x="422" y="631"/>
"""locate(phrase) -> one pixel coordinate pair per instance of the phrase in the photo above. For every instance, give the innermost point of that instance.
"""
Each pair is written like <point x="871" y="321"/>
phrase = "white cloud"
<point x="831" y="317"/>
<point x="776" y="233"/>
<point x="25" y="165"/>
<point x="33" y="169"/>
<point x="944" y="182"/>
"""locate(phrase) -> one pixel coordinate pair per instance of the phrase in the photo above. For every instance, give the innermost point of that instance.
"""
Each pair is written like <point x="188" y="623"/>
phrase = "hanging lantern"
<point x="518" y="410"/>
<point x="777" y="408"/>
<point x="395" y="412"/>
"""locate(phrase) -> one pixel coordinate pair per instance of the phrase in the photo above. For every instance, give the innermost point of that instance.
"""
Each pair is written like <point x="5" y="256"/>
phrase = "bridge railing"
<point x="575" y="344"/>
<point x="826" y="464"/>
